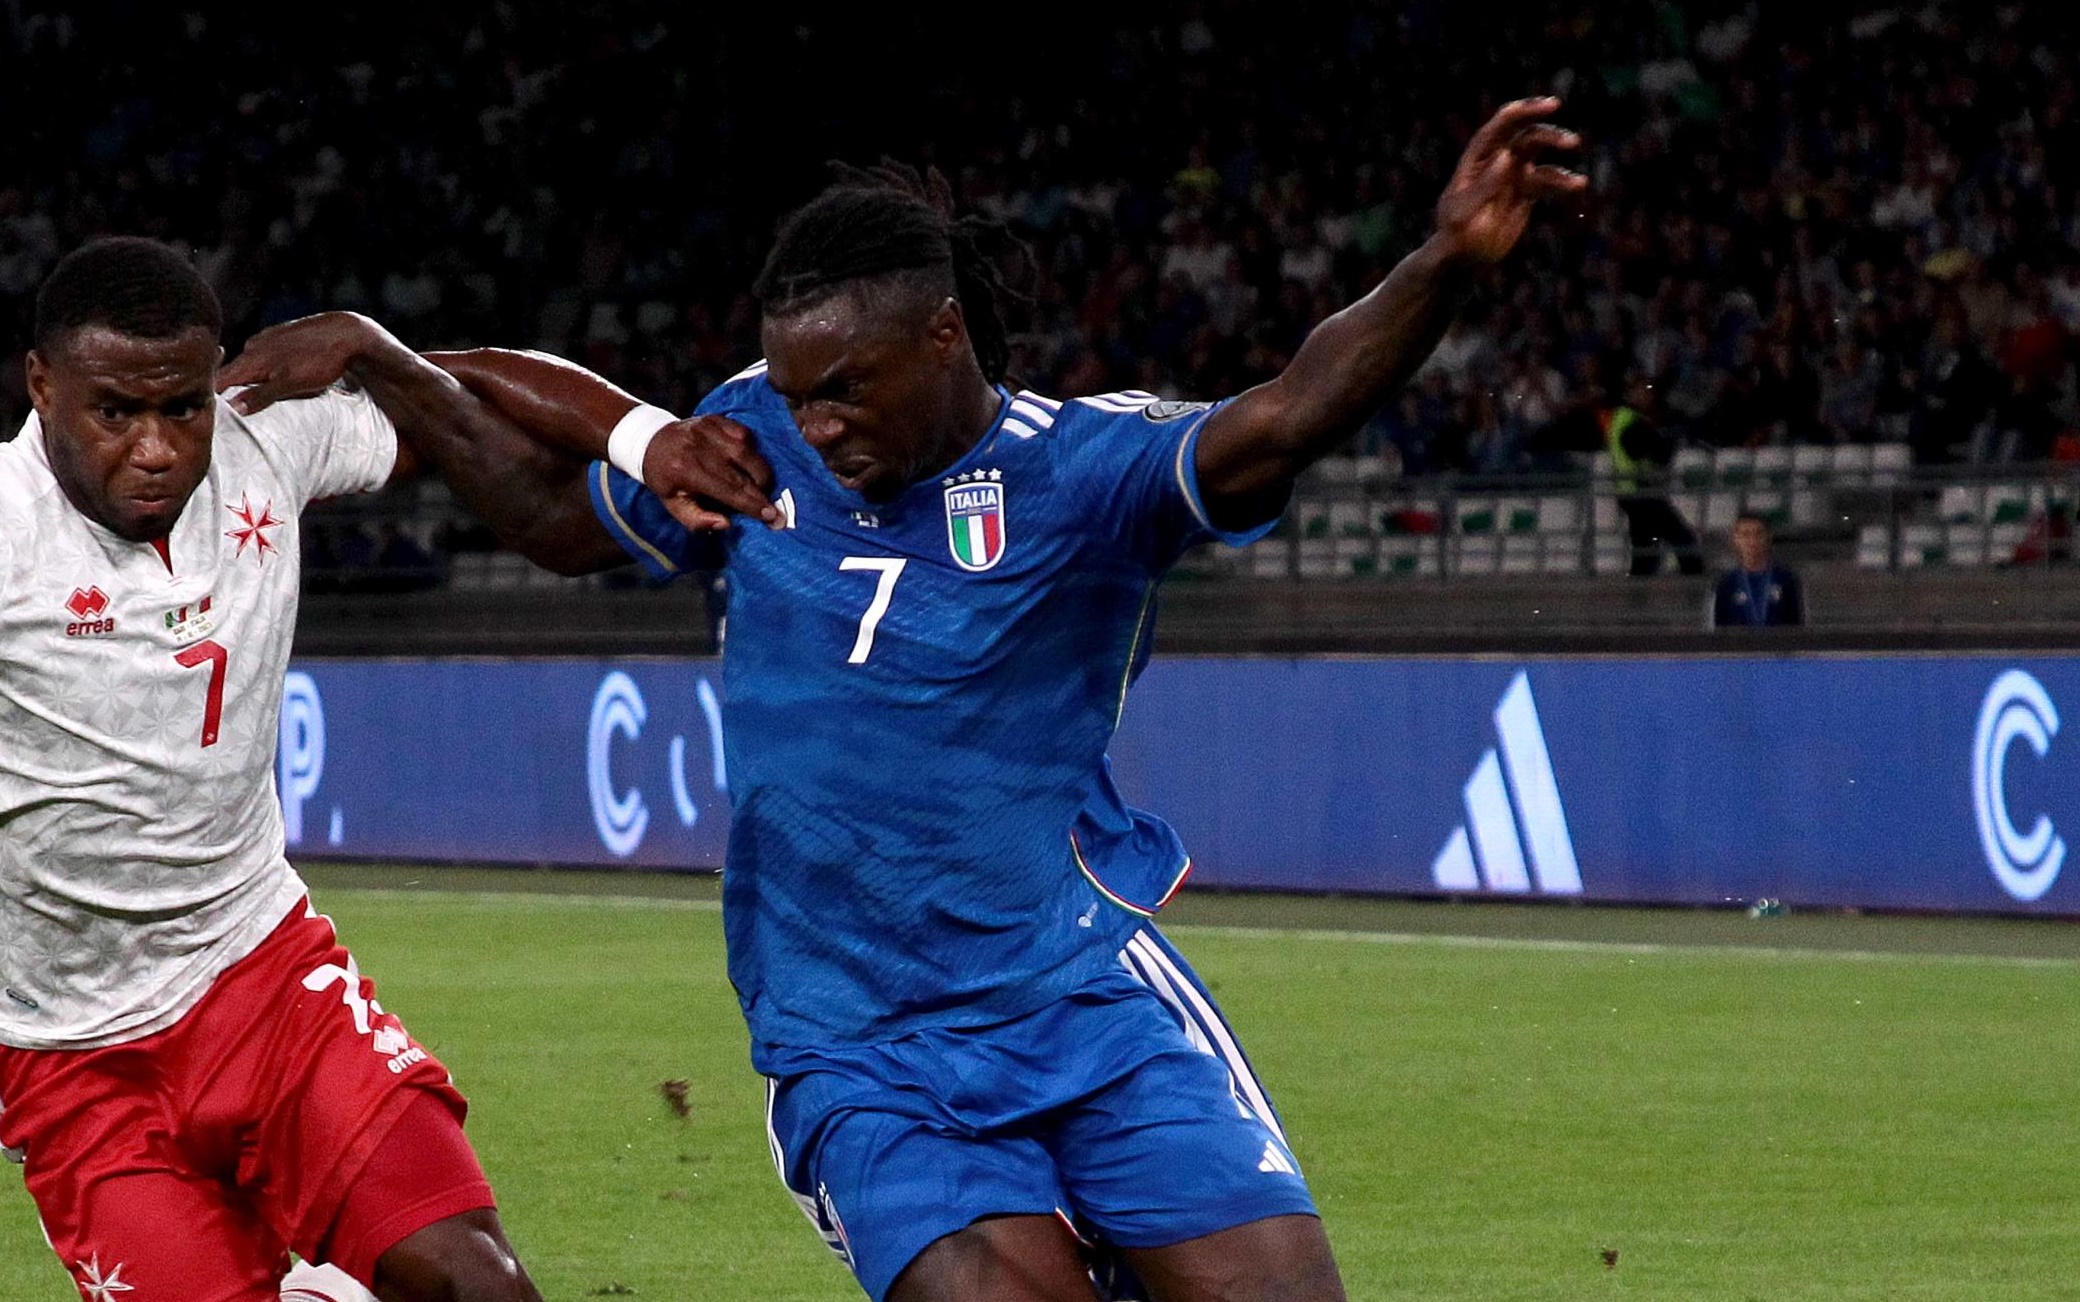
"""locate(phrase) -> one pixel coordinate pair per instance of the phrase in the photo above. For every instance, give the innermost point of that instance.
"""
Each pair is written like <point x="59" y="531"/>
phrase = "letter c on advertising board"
<point x="621" y="817"/>
<point x="2016" y="706"/>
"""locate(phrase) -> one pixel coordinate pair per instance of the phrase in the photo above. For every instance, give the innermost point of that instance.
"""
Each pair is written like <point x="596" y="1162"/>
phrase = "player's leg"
<point x="910" y="1195"/>
<point x="359" y="1158"/>
<point x="120" y="1201"/>
<point x="1182" y="1163"/>
<point x="1277" y="1259"/>
<point x="1002" y="1258"/>
<point x="418" y="1221"/>
<point x="1156" y="963"/>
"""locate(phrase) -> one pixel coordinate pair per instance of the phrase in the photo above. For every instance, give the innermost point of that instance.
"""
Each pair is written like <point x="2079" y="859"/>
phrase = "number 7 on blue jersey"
<point x="890" y="568"/>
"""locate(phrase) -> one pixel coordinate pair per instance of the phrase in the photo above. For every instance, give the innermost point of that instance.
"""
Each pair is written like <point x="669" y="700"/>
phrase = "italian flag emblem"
<point x="975" y="519"/>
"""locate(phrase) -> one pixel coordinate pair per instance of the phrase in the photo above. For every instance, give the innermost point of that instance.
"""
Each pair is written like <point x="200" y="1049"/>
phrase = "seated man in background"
<point x="1757" y="592"/>
<point x="195" y="1073"/>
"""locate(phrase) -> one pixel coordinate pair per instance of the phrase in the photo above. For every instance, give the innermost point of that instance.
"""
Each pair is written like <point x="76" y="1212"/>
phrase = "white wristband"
<point x="630" y="440"/>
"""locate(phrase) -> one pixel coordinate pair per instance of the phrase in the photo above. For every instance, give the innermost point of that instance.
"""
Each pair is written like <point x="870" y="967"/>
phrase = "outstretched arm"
<point x="1252" y="449"/>
<point x="511" y="432"/>
<point x="528" y="491"/>
<point x="704" y="469"/>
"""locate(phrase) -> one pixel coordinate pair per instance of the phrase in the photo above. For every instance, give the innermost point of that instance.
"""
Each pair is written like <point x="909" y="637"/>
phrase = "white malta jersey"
<point x="140" y="838"/>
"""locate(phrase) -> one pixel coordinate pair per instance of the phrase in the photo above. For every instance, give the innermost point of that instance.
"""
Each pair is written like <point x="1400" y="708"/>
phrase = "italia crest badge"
<point x="975" y="518"/>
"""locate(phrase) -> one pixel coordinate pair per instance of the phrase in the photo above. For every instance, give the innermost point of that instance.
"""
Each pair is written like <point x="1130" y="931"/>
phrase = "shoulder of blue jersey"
<point x="745" y="391"/>
<point x="1030" y="412"/>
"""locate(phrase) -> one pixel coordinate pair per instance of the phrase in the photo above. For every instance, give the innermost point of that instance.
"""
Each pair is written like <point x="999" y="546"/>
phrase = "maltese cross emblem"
<point x="98" y="1287"/>
<point x="253" y="527"/>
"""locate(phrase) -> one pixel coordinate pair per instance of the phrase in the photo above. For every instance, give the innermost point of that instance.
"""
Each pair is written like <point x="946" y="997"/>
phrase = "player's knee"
<point x="462" y="1259"/>
<point x="1278" y="1259"/>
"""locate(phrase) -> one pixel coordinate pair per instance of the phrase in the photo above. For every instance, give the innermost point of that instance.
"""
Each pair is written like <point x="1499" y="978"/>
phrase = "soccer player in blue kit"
<point x="935" y="900"/>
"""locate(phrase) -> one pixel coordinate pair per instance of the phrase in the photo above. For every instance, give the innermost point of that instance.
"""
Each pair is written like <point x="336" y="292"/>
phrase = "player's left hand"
<point x="706" y="469"/>
<point x="299" y="359"/>
<point x="1488" y="201"/>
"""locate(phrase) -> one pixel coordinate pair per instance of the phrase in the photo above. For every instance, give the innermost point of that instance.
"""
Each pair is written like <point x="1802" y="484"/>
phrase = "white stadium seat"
<point x="1874" y="547"/>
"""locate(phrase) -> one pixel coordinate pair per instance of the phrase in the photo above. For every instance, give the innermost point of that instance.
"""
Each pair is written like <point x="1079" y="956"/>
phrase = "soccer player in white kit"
<point x="195" y="1072"/>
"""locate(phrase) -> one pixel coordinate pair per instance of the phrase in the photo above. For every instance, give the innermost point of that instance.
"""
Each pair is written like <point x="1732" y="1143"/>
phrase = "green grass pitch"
<point x="1739" y="1110"/>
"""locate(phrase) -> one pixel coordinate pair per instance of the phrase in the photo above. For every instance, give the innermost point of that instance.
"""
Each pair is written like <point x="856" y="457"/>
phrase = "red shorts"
<point x="270" y="1118"/>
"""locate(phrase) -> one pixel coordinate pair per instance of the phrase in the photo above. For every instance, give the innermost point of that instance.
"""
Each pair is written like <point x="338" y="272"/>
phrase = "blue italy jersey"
<point x="917" y="699"/>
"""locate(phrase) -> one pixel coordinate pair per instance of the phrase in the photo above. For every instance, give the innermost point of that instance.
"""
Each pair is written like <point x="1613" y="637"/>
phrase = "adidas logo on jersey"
<point x="1276" y="1162"/>
<point x="87" y="606"/>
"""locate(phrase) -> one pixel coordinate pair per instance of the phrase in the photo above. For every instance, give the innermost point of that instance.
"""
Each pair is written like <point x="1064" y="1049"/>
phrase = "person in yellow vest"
<point x="1639" y="462"/>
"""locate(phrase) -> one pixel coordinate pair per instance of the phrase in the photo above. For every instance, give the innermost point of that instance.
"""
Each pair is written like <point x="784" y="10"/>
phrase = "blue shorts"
<point x="1127" y="1106"/>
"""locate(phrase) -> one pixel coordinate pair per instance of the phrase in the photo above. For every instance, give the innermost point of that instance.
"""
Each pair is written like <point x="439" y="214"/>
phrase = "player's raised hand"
<point x="300" y="358"/>
<point x="708" y="468"/>
<point x="1488" y="201"/>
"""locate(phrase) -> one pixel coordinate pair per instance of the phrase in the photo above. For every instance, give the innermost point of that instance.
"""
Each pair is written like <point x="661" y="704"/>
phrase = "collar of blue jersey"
<point x="983" y="447"/>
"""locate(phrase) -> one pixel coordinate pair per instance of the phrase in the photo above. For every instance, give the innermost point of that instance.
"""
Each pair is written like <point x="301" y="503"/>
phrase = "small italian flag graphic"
<point x="975" y="524"/>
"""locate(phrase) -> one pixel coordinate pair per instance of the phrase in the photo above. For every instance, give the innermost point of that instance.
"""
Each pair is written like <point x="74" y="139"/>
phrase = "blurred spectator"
<point x="1802" y="229"/>
<point x="1757" y="592"/>
<point x="1639" y="458"/>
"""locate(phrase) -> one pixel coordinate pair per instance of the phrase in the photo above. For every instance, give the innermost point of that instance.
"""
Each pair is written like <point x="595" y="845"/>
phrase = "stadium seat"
<point x="1516" y="515"/>
<point x="1408" y="515"/>
<point x="1313" y="519"/>
<point x="1962" y="504"/>
<point x="1318" y="559"/>
<point x="1408" y="555"/>
<point x="1370" y="471"/>
<point x="1891" y="463"/>
<point x="1811" y="463"/>
<point x="1272" y="558"/>
<point x="2012" y="503"/>
<point x="1772" y="504"/>
<point x="1605" y="517"/>
<point x="1850" y="464"/>
<point x="1559" y="515"/>
<point x="1602" y="470"/>
<point x="1476" y="555"/>
<point x="1965" y="544"/>
<point x="1773" y="467"/>
<point x="1691" y="469"/>
<point x="1357" y="548"/>
<point x="1350" y="518"/>
<point x="1561" y="555"/>
<point x="1720" y="510"/>
<point x="1874" y="547"/>
<point x="1922" y="545"/>
<point x="2002" y="540"/>
<point x="1733" y="467"/>
<point x="1810" y="508"/>
<point x="1475" y="514"/>
<point x="1521" y="553"/>
<point x="1613" y="554"/>
<point x="1336" y="471"/>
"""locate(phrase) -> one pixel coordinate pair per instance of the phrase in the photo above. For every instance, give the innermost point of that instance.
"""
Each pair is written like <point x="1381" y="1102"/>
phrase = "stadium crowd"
<point x="1806" y="226"/>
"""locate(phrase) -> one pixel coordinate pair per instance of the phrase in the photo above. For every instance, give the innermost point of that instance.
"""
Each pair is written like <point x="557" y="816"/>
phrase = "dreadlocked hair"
<point x="894" y="221"/>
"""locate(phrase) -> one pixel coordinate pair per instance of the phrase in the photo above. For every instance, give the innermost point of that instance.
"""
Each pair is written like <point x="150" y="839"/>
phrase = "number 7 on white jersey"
<point x="890" y="568"/>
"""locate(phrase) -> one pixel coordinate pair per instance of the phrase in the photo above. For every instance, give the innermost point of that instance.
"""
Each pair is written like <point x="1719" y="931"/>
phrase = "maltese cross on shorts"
<point x="98" y="1287"/>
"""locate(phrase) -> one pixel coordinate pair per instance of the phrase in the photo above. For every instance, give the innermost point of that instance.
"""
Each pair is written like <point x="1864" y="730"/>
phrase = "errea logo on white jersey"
<point x="88" y="606"/>
<point x="1537" y="816"/>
